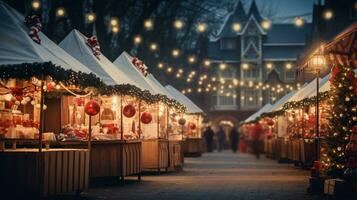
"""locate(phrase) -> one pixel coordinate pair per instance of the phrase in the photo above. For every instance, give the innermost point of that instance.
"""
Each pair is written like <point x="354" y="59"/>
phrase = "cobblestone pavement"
<point x="216" y="176"/>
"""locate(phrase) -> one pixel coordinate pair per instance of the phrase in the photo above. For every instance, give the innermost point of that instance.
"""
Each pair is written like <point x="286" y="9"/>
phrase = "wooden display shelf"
<point x="193" y="147"/>
<point x="176" y="158"/>
<point x="113" y="158"/>
<point x="28" y="173"/>
<point x="155" y="154"/>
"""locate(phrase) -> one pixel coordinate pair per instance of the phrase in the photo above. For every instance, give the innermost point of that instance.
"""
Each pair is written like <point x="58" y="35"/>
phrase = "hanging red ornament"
<point x="50" y="86"/>
<point x="192" y="125"/>
<point x="182" y="121"/>
<point x="270" y="122"/>
<point x="92" y="107"/>
<point x="129" y="111"/>
<point x="79" y="101"/>
<point x="146" y="118"/>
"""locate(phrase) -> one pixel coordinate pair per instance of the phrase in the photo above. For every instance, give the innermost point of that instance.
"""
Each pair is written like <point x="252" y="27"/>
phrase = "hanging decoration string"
<point x="34" y="24"/>
<point x="74" y="94"/>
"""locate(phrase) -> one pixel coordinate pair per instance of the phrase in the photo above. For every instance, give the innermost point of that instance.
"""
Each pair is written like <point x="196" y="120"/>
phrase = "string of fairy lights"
<point x="205" y="84"/>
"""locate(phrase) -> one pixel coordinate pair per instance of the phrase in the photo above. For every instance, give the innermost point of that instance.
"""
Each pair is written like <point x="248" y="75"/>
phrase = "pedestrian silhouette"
<point x="208" y="135"/>
<point x="234" y="138"/>
<point x="221" y="138"/>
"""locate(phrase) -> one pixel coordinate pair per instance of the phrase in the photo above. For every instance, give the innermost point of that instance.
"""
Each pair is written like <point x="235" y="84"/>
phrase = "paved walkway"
<point x="217" y="176"/>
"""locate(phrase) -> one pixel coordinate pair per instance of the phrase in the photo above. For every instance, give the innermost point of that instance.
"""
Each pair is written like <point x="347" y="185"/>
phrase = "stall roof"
<point x="190" y="106"/>
<point x="124" y="63"/>
<point x="323" y="87"/>
<point x="17" y="47"/>
<point x="75" y="44"/>
<point x="258" y="113"/>
<point x="279" y="104"/>
<point x="163" y="90"/>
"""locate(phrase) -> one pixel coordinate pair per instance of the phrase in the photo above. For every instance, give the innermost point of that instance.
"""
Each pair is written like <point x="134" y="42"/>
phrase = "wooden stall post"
<point x="139" y="174"/>
<point x="122" y="139"/>
<point x="42" y="101"/>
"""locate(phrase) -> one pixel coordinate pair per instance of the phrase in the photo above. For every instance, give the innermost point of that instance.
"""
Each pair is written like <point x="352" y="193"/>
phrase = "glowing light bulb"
<point x="115" y="29"/>
<point x="36" y="5"/>
<point x="266" y="24"/>
<point x="91" y="17"/>
<point x="114" y="21"/>
<point x="288" y="66"/>
<point x="328" y="14"/>
<point x="153" y="46"/>
<point x="245" y="66"/>
<point x="137" y="39"/>
<point x="148" y="24"/>
<point x="178" y="24"/>
<point x="191" y="59"/>
<point x="60" y="12"/>
<point x="236" y="27"/>
<point x="175" y="53"/>
<point x="201" y="27"/>
<point x="299" y="21"/>
<point x="160" y="65"/>
<point x="222" y="66"/>
<point x="269" y="66"/>
<point x="207" y="63"/>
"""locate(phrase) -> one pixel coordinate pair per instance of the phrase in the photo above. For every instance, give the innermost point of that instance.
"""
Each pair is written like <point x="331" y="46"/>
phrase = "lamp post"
<point x="317" y="62"/>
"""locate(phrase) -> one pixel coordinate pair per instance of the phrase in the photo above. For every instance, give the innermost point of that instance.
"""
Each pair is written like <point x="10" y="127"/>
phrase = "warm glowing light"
<point x="175" y="53"/>
<point x="189" y="90"/>
<point x="178" y="24"/>
<point x="180" y="71"/>
<point x="169" y="69"/>
<point x="153" y="46"/>
<point x="317" y="62"/>
<point x="236" y="27"/>
<point x="266" y="24"/>
<point x="245" y="66"/>
<point x="288" y="66"/>
<point x="148" y="24"/>
<point x="199" y="90"/>
<point x="90" y="17"/>
<point x="328" y="14"/>
<point x="178" y="75"/>
<point x="222" y="66"/>
<point x="201" y="27"/>
<point x="115" y="29"/>
<point x="269" y="66"/>
<point x="207" y="63"/>
<point x="60" y="12"/>
<point x="137" y="39"/>
<point x="192" y="59"/>
<point x="160" y="65"/>
<point x="36" y="5"/>
<point x="299" y="21"/>
<point x="114" y="21"/>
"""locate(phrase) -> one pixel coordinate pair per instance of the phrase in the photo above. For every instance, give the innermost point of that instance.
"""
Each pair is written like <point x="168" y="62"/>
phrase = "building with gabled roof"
<point x="253" y="53"/>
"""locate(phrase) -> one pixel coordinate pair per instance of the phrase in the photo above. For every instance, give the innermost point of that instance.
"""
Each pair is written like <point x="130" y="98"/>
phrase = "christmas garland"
<point x="82" y="80"/>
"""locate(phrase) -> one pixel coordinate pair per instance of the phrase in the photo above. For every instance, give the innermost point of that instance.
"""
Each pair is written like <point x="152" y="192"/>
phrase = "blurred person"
<point x="221" y="138"/>
<point x="208" y="135"/>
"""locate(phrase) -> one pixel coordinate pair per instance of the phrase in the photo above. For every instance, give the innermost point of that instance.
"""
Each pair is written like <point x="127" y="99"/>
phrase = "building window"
<point x="289" y="74"/>
<point x="225" y="97"/>
<point x="250" y="97"/>
<point x="228" y="44"/>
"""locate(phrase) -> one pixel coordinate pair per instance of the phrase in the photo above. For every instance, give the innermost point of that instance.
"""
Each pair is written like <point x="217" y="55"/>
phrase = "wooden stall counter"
<point x="28" y="173"/>
<point x="155" y="154"/>
<point x="193" y="147"/>
<point x="112" y="158"/>
<point x="176" y="158"/>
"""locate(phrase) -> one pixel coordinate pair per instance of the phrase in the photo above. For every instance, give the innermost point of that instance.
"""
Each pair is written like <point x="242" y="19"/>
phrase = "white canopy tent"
<point x="17" y="47"/>
<point x="190" y="106"/>
<point x="258" y="113"/>
<point x="124" y="63"/>
<point x="75" y="44"/>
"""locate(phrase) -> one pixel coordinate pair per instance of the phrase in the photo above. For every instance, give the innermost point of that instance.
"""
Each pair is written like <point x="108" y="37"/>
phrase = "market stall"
<point x="116" y="146"/>
<point x="32" y="67"/>
<point x="190" y="124"/>
<point x="154" y="121"/>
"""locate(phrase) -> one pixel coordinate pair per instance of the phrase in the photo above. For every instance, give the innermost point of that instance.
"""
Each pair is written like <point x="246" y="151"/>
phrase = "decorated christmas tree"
<point x="342" y="118"/>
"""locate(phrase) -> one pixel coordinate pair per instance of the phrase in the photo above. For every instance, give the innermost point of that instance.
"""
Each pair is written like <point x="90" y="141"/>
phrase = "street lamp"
<point x="316" y="63"/>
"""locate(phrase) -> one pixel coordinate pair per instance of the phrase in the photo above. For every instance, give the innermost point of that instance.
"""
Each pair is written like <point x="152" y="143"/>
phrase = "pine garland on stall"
<point x="342" y="117"/>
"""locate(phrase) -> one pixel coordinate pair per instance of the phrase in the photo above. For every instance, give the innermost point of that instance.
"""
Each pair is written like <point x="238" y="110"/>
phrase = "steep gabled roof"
<point x="252" y="19"/>
<point x="238" y="15"/>
<point x="16" y="46"/>
<point x="253" y="11"/>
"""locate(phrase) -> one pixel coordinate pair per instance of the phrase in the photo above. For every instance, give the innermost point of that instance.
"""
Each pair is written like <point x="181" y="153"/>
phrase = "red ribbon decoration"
<point x="140" y="65"/>
<point x="93" y="43"/>
<point x="34" y="24"/>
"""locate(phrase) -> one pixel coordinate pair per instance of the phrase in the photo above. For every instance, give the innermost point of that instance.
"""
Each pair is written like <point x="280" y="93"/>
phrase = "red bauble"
<point x="146" y="118"/>
<point x="192" y="126"/>
<point x="182" y="121"/>
<point x="9" y="104"/>
<point x="79" y="101"/>
<point x="50" y="86"/>
<point x="19" y="98"/>
<point x="129" y="111"/>
<point x="92" y="107"/>
<point x="270" y="122"/>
